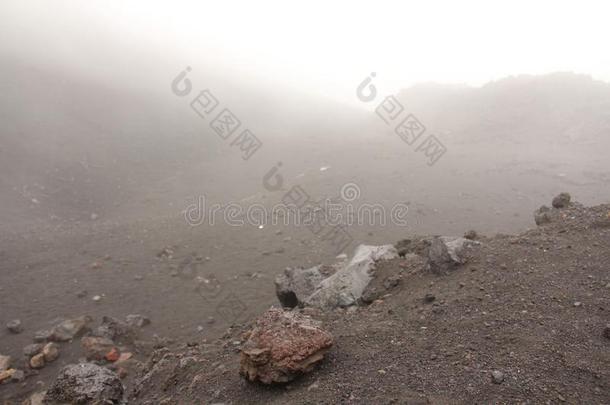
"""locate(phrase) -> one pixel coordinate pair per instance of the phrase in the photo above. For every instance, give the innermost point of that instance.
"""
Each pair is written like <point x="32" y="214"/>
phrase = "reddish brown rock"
<point x="283" y="345"/>
<point x="96" y="348"/>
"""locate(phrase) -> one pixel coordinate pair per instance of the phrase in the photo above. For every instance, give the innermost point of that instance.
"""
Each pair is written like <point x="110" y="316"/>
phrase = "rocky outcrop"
<point x="85" y="383"/>
<point x="296" y="285"/>
<point x="345" y="287"/>
<point x="339" y="285"/>
<point x="283" y="345"/>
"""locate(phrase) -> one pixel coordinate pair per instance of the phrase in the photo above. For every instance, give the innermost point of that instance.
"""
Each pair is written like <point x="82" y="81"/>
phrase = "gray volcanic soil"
<point x="532" y="306"/>
<point x="93" y="189"/>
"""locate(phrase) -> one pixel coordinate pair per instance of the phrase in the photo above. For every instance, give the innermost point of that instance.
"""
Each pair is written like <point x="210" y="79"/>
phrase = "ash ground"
<point x="529" y="309"/>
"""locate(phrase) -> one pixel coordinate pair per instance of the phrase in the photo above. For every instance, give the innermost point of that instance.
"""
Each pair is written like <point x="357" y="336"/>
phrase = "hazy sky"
<point x="320" y="46"/>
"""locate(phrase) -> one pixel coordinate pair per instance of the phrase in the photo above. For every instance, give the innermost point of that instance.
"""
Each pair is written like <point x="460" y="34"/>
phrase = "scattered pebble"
<point x="14" y="326"/>
<point x="37" y="361"/>
<point x="497" y="377"/>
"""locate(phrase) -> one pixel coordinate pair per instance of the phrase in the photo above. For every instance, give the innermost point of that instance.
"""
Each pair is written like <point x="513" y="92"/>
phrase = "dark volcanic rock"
<point x="85" y="383"/>
<point x="447" y="253"/>
<point x="295" y="285"/>
<point x="70" y="329"/>
<point x="282" y="345"/>
<point x="14" y="326"/>
<point x="115" y="329"/>
<point x="542" y="215"/>
<point x="562" y="200"/>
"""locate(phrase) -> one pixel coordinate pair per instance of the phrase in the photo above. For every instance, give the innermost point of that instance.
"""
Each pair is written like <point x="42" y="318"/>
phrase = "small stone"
<point x="606" y="332"/>
<point x="18" y="376"/>
<point x="32" y="350"/>
<point x="96" y="348"/>
<point x="43" y="335"/>
<point x="69" y="329"/>
<point x="137" y="320"/>
<point x="14" y="326"/>
<point x="562" y="200"/>
<point x="6" y="374"/>
<point x="471" y="234"/>
<point x="97" y="298"/>
<point x="50" y="352"/>
<point x="497" y="377"/>
<point x="542" y="215"/>
<point x="577" y="304"/>
<point x="429" y="298"/>
<point x="37" y="361"/>
<point x="113" y="355"/>
<point x="5" y="362"/>
<point x="124" y="357"/>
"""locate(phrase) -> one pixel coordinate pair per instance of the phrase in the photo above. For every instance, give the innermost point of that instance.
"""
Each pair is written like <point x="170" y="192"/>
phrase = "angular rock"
<point x="542" y="215"/>
<point x="497" y="377"/>
<point x="86" y="383"/>
<point x="446" y="253"/>
<point x="5" y="362"/>
<point x="345" y="287"/>
<point x="35" y="399"/>
<point x="70" y="329"/>
<point x="115" y="329"/>
<point x="32" y="350"/>
<point x="50" y="352"/>
<point x="137" y="320"/>
<point x="562" y="200"/>
<point x="7" y="374"/>
<point x="96" y="347"/>
<point x="18" y="376"/>
<point x="471" y="234"/>
<point x="295" y="285"/>
<point x="283" y="345"/>
<point x="14" y="326"/>
<point x="43" y="335"/>
<point x="37" y="361"/>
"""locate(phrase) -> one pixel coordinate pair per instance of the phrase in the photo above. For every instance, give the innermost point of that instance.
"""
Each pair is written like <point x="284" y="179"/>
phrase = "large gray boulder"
<point x="339" y="285"/>
<point x="345" y="287"/>
<point x="85" y="383"/>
